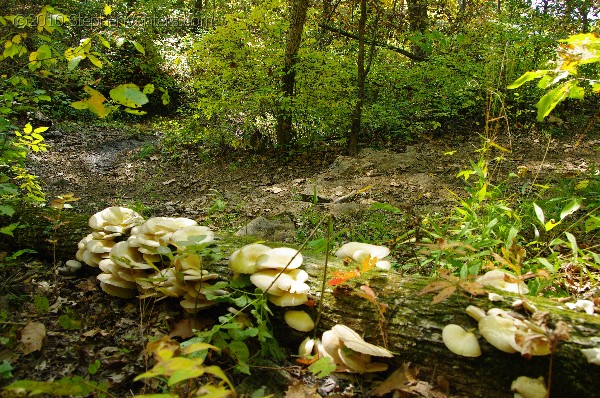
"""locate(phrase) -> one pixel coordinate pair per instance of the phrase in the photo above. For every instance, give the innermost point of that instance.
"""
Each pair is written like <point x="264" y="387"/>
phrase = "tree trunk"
<point x="412" y="325"/>
<point x="418" y="21"/>
<point x="361" y="77"/>
<point x="298" y="11"/>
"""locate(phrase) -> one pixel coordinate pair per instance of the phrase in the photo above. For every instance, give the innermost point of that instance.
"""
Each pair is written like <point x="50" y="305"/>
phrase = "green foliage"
<point x="236" y="332"/>
<point x="577" y="51"/>
<point x="5" y="370"/>
<point x="182" y="365"/>
<point x="67" y="386"/>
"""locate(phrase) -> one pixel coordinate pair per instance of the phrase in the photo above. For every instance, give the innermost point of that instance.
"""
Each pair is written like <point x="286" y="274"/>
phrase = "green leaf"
<point x="552" y="98"/>
<point x="139" y="47"/>
<point x="95" y="61"/>
<point x="546" y="264"/>
<point x="148" y="88"/>
<point x="129" y="95"/>
<point x="527" y="76"/>
<point x="41" y="303"/>
<point x="592" y="223"/>
<point x="322" y="367"/>
<point x="165" y="97"/>
<point x="74" y="62"/>
<point x="573" y="242"/>
<point x="5" y="370"/>
<point x="385" y="207"/>
<point x="93" y="367"/>
<point x="67" y="386"/>
<point x="570" y="208"/>
<point x="7" y="210"/>
<point x="135" y="111"/>
<point x="218" y="372"/>
<point x="539" y="213"/>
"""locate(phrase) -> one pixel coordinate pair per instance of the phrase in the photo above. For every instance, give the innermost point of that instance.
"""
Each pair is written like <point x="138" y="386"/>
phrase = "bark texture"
<point x="412" y="326"/>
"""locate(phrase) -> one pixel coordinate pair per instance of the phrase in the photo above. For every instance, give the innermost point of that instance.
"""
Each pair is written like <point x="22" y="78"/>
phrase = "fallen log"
<point x="412" y="325"/>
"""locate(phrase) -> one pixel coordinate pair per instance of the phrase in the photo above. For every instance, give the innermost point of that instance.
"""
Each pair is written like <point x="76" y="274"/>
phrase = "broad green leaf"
<point x="185" y="374"/>
<point x="596" y="87"/>
<point x="6" y="210"/>
<point x="218" y="372"/>
<point x="79" y="105"/>
<point x="95" y="61"/>
<point x="573" y="241"/>
<point x="129" y="95"/>
<point x="539" y="213"/>
<point x="73" y="62"/>
<point x="104" y="42"/>
<point x="592" y="223"/>
<point x="199" y="347"/>
<point x="139" y="47"/>
<point x="570" y="208"/>
<point x="582" y="184"/>
<point x="527" y="76"/>
<point x="148" y="88"/>
<point x="546" y="263"/>
<point x="577" y="92"/>
<point x="158" y="396"/>
<point x="552" y="98"/>
<point x="322" y="367"/>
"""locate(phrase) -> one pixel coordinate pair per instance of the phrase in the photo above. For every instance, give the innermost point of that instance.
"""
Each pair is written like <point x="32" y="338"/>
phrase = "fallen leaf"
<point x="301" y="390"/>
<point x="182" y="328"/>
<point x="32" y="337"/>
<point x="93" y="332"/>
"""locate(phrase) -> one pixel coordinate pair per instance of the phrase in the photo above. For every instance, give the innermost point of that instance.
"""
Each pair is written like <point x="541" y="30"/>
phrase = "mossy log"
<point x="412" y="323"/>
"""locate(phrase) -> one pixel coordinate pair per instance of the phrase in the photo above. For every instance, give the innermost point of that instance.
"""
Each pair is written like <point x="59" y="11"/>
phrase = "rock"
<point x="275" y="230"/>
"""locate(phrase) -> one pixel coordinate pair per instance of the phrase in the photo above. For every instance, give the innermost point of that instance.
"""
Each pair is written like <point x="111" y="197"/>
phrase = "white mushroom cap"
<point x="128" y="257"/>
<point x="475" y="312"/>
<point x="117" y="291"/>
<point x="192" y="306"/>
<point x="289" y="299"/>
<point x="279" y="258"/>
<point x="583" y="305"/>
<point x="100" y="246"/>
<point x="358" y="251"/>
<point x="499" y="332"/>
<point x="307" y="347"/>
<point x="526" y="387"/>
<point x="460" y="342"/>
<point x="592" y="355"/>
<point x="299" y="320"/>
<point x="272" y="280"/>
<point x="330" y="344"/>
<point x="160" y="225"/>
<point x="243" y="260"/>
<point x="115" y="280"/>
<point x="115" y="216"/>
<point x="194" y="231"/>
<point x="352" y="340"/>
<point x="500" y="280"/>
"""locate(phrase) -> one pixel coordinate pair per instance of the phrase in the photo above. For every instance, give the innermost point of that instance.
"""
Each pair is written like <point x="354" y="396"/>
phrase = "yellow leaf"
<point x="107" y="9"/>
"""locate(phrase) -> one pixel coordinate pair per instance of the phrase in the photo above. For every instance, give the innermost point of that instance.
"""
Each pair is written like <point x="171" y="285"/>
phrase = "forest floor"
<point x="105" y="167"/>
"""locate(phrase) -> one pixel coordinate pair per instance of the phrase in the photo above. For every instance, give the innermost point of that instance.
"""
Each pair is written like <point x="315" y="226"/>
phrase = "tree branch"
<point x="399" y="50"/>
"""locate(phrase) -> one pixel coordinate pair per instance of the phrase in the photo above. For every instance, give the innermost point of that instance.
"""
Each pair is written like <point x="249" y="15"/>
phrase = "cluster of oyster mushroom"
<point x="147" y="257"/>
<point x="275" y="271"/>
<point x="346" y="350"/>
<point x="502" y="330"/>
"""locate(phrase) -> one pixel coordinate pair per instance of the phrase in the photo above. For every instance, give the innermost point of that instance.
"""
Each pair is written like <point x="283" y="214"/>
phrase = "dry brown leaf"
<point x="434" y="287"/>
<point x="443" y="295"/>
<point x="182" y="328"/>
<point x="473" y="288"/>
<point x="397" y="381"/>
<point x="93" y="332"/>
<point x="32" y="336"/>
<point x="301" y="390"/>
